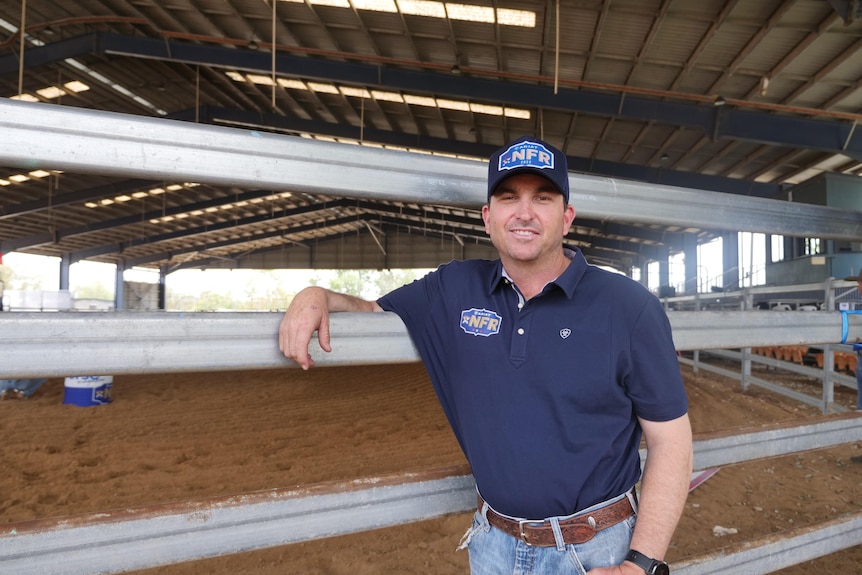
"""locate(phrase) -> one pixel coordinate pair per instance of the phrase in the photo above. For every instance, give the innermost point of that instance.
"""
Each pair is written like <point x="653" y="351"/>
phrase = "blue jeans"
<point x="25" y="386"/>
<point x="493" y="552"/>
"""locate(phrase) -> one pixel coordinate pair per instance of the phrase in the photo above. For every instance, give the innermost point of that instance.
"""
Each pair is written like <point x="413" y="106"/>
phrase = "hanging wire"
<point x="21" y="47"/>
<point x="361" y="120"/>
<point x="274" y="2"/>
<point x="197" y="94"/>
<point x="557" y="55"/>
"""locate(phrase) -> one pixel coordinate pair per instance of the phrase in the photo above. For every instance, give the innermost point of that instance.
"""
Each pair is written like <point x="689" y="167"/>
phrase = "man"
<point x="549" y="371"/>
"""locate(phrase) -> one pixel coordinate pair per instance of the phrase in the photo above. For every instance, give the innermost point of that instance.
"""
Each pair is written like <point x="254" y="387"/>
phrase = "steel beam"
<point x="140" y="538"/>
<point x="34" y="344"/>
<point x="782" y="130"/>
<point x="72" y="139"/>
<point x="666" y="176"/>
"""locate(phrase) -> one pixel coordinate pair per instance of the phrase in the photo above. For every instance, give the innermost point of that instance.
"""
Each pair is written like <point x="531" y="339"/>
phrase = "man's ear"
<point x="486" y="217"/>
<point x="569" y="216"/>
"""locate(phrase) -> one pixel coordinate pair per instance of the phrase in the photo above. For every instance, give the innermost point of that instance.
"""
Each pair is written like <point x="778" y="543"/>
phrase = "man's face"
<point x="527" y="218"/>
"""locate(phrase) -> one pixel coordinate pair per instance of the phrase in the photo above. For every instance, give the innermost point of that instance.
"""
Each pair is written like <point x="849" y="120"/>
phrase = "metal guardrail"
<point x="76" y="343"/>
<point x="112" y="542"/>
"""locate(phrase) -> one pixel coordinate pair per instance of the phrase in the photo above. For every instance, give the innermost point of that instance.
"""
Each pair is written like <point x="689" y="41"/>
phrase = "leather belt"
<point x="575" y="531"/>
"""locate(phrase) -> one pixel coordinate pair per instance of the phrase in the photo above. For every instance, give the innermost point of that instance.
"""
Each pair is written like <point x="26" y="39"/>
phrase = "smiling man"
<point x="550" y="372"/>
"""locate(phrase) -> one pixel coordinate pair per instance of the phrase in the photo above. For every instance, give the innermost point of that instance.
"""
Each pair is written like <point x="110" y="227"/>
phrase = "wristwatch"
<point x="649" y="565"/>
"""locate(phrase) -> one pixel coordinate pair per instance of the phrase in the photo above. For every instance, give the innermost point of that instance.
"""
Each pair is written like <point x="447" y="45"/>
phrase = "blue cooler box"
<point x="88" y="390"/>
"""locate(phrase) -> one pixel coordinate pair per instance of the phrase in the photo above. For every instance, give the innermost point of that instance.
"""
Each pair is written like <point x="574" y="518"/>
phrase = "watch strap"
<point x="648" y="564"/>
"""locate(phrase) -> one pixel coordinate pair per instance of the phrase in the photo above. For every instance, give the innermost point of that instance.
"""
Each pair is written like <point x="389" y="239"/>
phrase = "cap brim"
<point x="526" y="170"/>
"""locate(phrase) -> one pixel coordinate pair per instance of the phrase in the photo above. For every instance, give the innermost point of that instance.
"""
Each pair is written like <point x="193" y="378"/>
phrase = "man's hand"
<point x="308" y="312"/>
<point x="625" y="568"/>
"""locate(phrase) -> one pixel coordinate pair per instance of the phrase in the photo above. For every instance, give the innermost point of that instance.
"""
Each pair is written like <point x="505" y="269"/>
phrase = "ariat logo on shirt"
<point x="480" y="322"/>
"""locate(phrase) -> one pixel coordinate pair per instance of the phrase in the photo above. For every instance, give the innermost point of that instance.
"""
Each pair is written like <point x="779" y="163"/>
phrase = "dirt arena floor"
<point x="177" y="437"/>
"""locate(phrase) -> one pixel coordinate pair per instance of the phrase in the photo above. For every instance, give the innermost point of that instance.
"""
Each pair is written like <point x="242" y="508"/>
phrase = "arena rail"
<point x="51" y="137"/>
<point x="64" y="344"/>
<point x="826" y="374"/>
<point x="139" y="538"/>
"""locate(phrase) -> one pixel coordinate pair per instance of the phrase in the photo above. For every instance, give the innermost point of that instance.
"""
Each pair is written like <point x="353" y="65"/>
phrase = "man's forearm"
<point x="339" y="302"/>
<point x="664" y="488"/>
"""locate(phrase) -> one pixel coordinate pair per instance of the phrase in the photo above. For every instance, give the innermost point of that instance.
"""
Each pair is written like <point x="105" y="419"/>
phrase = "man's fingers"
<point x="323" y="334"/>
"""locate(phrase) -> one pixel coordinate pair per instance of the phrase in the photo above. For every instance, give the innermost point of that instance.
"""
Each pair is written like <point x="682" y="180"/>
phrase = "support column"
<point x="163" y="292"/>
<point x="644" y="265"/>
<point x="730" y="260"/>
<point x="689" y="243"/>
<point x="119" y="295"/>
<point x="664" y="287"/>
<point x="65" y="264"/>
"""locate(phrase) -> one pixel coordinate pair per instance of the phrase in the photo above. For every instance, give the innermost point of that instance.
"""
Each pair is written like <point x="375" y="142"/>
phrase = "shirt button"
<point x="520" y="331"/>
<point x="520" y="305"/>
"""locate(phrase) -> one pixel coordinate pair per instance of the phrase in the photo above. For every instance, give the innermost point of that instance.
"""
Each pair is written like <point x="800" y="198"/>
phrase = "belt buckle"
<point x="522" y="523"/>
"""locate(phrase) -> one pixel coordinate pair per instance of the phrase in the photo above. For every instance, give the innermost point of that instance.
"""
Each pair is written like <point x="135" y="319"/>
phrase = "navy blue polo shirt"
<point x="543" y="394"/>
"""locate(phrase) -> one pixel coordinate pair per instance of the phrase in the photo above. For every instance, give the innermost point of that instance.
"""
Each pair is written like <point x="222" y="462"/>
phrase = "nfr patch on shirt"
<point x="521" y="154"/>
<point x="480" y="322"/>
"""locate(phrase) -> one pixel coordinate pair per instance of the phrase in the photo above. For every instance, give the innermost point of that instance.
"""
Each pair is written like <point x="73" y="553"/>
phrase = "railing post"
<point x="828" y="377"/>
<point x="745" y="375"/>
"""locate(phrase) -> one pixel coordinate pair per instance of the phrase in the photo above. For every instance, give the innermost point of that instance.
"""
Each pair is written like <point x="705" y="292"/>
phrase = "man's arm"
<point x="309" y="312"/>
<point x="664" y="489"/>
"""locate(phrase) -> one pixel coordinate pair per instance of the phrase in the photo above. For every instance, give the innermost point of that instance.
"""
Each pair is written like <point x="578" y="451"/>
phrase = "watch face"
<point x="661" y="569"/>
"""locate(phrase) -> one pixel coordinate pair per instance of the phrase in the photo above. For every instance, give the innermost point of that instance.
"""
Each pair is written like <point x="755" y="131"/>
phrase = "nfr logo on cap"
<point x="529" y="155"/>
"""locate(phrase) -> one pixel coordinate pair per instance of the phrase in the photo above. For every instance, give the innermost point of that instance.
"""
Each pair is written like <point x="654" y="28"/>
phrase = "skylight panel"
<point x="422" y="8"/>
<point x="420" y="100"/>
<point x="51" y="92"/>
<point x="323" y="88"/>
<point x="523" y="18"/>
<point x="459" y="105"/>
<point x="470" y="12"/>
<point x="25" y="98"/>
<point x="75" y="86"/>
<point x="292" y="84"/>
<point x="516" y="113"/>
<point x="437" y="9"/>
<point x="261" y="79"/>
<point x="376" y="5"/>
<point x="356" y="92"/>
<point x="387" y="96"/>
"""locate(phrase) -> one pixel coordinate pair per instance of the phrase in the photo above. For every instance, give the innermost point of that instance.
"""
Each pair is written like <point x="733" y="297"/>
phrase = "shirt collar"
<point x="567" y="281"/>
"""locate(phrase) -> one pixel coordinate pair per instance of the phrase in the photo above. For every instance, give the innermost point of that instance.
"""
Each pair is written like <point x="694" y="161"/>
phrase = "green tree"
<point x="388" y="280"/>
<point x="15" y="279"/>
<point x="359" y="283"/>
<point x="94" y="290"/>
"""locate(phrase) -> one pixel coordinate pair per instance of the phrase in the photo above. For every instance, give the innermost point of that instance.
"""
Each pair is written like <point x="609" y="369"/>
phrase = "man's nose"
<point x="525" y="209"/>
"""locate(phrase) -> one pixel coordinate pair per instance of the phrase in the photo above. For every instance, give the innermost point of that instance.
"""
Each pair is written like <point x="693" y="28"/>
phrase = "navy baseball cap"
<point x="530" y="155"/>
